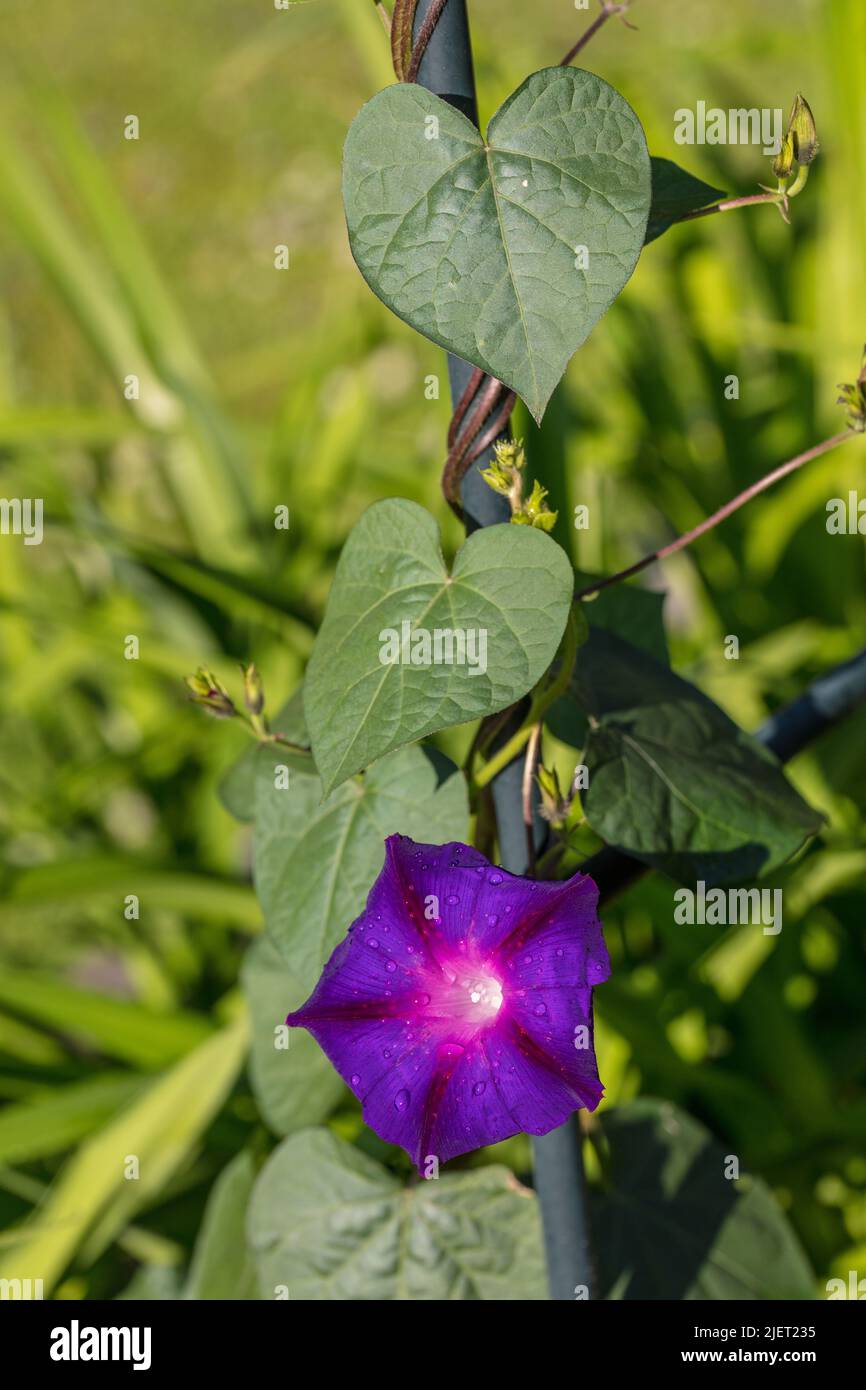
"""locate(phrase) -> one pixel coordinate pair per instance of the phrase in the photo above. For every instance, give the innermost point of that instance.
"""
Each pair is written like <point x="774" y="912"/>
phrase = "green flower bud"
<point x="783" y="164"/>
<point x="207" y="691"/>
<point x="803" y="132"/>
<point x="853" y="397"/>
<point x="254" y="691"/>
<point x="552" y="807"/>
<point x="510" y="453"/>
<point x="497" y="478"/>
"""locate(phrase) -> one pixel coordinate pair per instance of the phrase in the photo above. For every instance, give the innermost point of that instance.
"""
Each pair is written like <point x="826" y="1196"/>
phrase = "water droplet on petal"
<point x="540" y="1010"/>
<point x="495" y="878"/>
<point x="559" y="950"/>
<point x="373" y="943"/>
<point x="391" y="966"/>
<point x="401" y="1100"/>
<point x="452" y="900"/>
<point x="386" y="1053"/>
<point x="423" y="999"/>
<point x="355" y="1079"/>
<point x="479" y="1088"/>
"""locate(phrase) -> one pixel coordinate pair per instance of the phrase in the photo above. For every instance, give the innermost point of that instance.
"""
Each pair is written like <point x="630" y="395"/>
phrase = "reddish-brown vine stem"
<point x="607" y="12"/>
<point x="734" y="505"/>
<point x="484" y="395"/>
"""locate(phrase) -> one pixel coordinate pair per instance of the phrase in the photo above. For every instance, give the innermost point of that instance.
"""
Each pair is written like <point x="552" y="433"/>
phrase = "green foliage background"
<point x="261" y="388"/>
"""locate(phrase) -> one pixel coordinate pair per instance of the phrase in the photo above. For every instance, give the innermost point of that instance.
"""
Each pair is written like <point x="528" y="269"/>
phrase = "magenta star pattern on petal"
<point x="459" y="1006"/>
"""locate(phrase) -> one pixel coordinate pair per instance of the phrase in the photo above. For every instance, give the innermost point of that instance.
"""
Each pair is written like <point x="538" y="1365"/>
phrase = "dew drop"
<point x="373" y="943"/>
<point x="387" y="1052"/>
<point x="355" y="1079"/>
<point x="391" y="966"/>
<point x="452" y="900"/>
<point x="401" y="1100"/>
<point x="479" y="1088"/>
<point x="540" y="1010"/>
<point x="495" y="878"/>
<point x="559" y="951"/>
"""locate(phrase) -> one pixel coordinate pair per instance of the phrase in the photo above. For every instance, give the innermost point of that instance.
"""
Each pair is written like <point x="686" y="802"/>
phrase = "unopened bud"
<point x="853" y="397"/>
<point x="803" y="131"/>
<point x="254" y="691"/>
<point x="207" y="691"/>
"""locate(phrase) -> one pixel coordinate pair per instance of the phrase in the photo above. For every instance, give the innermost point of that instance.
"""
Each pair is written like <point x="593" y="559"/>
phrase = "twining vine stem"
<point x="727" y="510"/>
<point x="608" y="10"/>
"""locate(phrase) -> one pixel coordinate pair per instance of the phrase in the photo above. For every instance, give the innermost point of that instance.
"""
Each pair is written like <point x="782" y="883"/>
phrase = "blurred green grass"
<point x="261" y="388"/>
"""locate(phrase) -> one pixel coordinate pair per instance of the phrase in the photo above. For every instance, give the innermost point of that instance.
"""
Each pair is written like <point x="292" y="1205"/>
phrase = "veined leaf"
<point x="507" y="597"/>
<point x="327" y="1222"/>
<point x="673" y="781"/>
<point x="505" y="251"/>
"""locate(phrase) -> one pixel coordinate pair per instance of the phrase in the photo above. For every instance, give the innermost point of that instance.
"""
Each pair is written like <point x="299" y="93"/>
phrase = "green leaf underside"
<point x="671" y="1225"/>
<point x="294" y="1086"/>
<point x="316" y="861"/>
<point x="511" y="583"/>
<point x="329" y="1223"/>
<point x="673" y="781"/>
<point x="674" y="194"/>
<point x="475" y="243"/>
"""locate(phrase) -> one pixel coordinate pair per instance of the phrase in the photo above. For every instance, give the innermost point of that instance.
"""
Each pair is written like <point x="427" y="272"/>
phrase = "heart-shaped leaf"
<point x="328" y="1222"/>
<point x="672" y="780"/>
<point x="505" y="251"/>
<point x="500" y="614"/>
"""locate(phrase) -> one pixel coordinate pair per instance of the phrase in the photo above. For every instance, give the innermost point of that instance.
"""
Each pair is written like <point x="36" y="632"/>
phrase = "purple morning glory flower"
<point x="459" y="1006"/>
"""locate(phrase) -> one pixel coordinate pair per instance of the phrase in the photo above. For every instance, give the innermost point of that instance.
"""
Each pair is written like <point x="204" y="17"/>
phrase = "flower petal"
<point x="459" y="1007"/>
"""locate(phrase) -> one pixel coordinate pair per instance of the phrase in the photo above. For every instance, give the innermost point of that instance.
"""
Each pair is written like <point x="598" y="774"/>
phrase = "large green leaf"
<point x="675" y="193"/>
<point x="508" y="592"/>
<point x="295" y="1086"/>
<point x="327" y="1222"/>
<point x="316" y="861"/>
<point x="669" y="1224"/>
<point x="479" y="244"/>
<point x="672" y="780"/>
